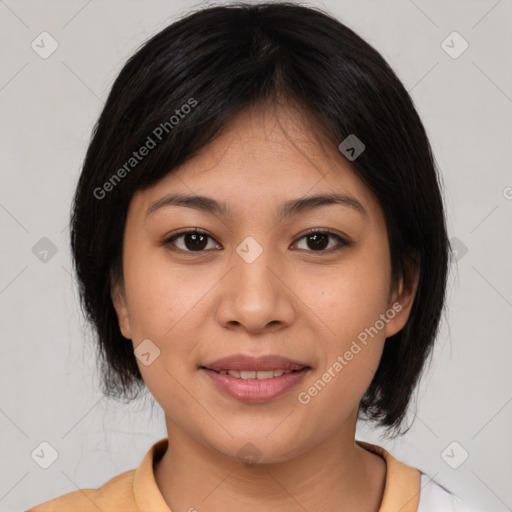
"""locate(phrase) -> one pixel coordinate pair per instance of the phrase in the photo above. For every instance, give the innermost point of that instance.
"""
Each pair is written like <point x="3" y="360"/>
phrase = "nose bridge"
<point x="252" y="262"/>
<point x="257" y="296"/>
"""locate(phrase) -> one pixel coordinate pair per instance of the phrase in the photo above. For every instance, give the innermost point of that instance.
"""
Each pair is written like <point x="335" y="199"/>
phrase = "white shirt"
<point x="434" y="498"/>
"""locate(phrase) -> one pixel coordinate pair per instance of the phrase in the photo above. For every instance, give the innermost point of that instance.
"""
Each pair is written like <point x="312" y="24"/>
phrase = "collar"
<point x="402" y="489"/>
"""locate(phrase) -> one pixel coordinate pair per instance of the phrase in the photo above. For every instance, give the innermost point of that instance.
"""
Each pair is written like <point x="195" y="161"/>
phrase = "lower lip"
<point x="254" y="390"/>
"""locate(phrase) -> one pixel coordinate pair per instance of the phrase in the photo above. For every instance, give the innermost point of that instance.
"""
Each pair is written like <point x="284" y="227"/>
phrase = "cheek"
<point x="353" y="305"/>
<point x="351" y="296"/>
<point x="165" y="307"/>
<point x="160" y="293"/>
<point x="350" y="302"/>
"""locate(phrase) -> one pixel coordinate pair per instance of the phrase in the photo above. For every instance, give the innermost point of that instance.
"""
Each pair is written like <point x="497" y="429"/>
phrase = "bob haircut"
<point x="218" y="61"/>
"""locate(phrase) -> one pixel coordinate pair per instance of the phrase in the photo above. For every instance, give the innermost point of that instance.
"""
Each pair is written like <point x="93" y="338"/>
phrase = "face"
<point x="277" y="282"/>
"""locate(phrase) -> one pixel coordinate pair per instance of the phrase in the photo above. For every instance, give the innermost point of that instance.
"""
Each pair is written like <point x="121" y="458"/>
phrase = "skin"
<point x="293" y="300"/>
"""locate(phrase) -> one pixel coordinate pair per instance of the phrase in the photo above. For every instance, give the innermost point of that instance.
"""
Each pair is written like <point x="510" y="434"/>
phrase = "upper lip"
<point x="243" y="362"/>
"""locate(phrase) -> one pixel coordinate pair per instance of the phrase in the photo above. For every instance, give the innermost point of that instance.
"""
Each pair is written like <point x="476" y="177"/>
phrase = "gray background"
<point x="49" y="384"/>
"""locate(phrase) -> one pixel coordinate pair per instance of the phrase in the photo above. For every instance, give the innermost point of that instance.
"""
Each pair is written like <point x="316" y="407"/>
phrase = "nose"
<point x="256" y="295"/>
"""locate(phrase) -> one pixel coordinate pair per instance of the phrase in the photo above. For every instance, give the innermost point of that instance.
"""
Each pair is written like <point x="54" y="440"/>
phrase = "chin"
<point x="259" y="449"/>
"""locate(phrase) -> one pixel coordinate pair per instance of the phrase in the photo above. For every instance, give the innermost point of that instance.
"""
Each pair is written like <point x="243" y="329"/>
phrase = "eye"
<point x="197" y="241"/>
<point x="318" y="240"/>
<point x="194" y="240"/>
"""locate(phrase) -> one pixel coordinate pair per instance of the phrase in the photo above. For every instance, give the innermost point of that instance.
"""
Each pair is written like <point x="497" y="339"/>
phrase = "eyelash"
<point x="170" y="241"/>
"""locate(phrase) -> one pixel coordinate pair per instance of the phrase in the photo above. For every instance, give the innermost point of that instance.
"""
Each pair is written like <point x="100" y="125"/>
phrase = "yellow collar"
<point x="402" y="490"/>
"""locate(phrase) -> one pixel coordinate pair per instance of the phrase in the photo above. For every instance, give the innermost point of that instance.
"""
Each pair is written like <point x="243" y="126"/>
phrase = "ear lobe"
<point x="401" y="301"/>
<point x="121" y="306"/>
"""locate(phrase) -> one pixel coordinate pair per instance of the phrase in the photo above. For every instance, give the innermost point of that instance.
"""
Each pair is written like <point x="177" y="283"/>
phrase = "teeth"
<point x="260" y="375"/>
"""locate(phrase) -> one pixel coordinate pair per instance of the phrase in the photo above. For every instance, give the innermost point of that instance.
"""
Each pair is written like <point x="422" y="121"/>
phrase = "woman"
<point x="259" y="237"/>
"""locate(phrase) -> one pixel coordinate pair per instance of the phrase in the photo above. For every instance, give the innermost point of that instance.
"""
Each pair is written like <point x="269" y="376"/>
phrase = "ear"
<point x="401" y="299"/>
<point x="121" y="306"/>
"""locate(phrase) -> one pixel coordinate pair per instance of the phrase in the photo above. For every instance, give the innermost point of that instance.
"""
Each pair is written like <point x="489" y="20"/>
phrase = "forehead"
<point x="261" y="143"/>
<point x="264" y="156"/>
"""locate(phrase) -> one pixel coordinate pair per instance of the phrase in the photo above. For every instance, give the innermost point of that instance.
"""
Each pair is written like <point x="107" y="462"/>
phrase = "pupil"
<point x="316" y="243"/>
<point x="195" y="237"/>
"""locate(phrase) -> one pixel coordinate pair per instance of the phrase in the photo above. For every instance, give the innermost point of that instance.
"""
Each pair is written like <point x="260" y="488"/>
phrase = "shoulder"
<point x="132" y="491"/>
<point x="114" y="495"/>
<point x="409" y="490"/>
<point x="435" y="497"/>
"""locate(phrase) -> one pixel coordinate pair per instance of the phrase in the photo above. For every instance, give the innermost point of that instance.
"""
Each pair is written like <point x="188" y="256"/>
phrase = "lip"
<point x="244" y="362"/>
<point x="254" y="390"/>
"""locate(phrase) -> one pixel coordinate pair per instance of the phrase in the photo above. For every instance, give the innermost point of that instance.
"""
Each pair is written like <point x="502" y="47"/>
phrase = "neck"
<point x="336" y="476"/>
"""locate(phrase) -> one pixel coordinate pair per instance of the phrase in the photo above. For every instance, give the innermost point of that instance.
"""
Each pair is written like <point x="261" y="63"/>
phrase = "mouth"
<point x="254" y="380"/>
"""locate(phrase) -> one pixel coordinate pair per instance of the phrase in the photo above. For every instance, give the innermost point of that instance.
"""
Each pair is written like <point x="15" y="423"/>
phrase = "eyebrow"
<point x="287" y="209"/>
